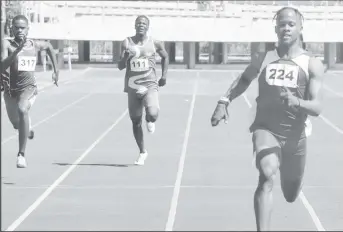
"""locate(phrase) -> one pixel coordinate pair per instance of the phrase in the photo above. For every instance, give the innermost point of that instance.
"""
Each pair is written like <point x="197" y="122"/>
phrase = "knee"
<point x="291" y="190"/>
<point x="266" y="180"/>
<point x="136" y="121"/>
<point x="290" y="198"/>
<point x="268" y="167"/>
<point x="152" y="113"/>
<point x="23" y="108"/>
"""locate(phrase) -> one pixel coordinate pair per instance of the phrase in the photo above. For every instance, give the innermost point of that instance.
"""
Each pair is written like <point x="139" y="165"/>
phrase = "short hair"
<point x="142" y="16"/>
<point x="297" y="12"/>
<point x="20" y="17"/>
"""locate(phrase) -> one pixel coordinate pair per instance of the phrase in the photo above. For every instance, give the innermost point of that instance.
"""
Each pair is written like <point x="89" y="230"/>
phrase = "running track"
<point x="80" y="174"/>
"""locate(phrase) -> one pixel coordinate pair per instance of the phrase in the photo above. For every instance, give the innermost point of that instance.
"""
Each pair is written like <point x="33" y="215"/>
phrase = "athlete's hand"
<point x="220" y="113"/>
<point x="288" y="98"/>
<point x="55" y="76"/>
<point x="132" y="51"/>
<point x="162" y="81"/>
<point x="21" y="43"/>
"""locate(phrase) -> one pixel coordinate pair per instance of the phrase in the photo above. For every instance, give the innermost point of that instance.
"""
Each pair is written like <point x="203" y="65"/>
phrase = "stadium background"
<point x="43" y="13"/>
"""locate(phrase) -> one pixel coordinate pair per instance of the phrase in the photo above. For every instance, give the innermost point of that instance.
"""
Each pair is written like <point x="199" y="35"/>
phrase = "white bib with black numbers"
<point x="27" y="63"/>
<point x="139" y="64"/>
<point x="282" y="75"/>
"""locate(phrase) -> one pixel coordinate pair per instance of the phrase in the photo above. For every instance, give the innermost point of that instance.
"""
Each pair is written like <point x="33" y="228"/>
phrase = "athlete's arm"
<point x="313" y="106"/>
<point x="237" y="88"/>
<point x="243" y="82"/>
<point x="45" y="45"/>
<point x="124" y="56"/>
<point x="160" y="49"/>
<point x="6" y="58"/>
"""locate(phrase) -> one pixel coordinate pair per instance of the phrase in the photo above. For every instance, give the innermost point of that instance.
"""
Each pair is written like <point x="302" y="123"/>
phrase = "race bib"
<point x="282" y="75"/>
<point x="27" y="63"/>
<point x="139" y="64"/>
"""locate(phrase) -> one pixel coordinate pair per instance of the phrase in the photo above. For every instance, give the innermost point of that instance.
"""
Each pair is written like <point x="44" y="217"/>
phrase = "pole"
<point x="70" y="50"/>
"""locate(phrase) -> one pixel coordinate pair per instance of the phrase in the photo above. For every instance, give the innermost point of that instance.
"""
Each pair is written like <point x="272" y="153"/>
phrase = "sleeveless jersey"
<point x="141" y="71"/>
<point x="271" y="113"/>
<point x="20" y="74"/>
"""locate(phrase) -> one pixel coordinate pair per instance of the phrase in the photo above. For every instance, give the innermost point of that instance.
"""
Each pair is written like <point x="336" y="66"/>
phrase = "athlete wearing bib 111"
<point x="140" y="73"/>
<point x="141" y="82"/>
<point x="18" y="58"/>
<point x="290" y="83"/>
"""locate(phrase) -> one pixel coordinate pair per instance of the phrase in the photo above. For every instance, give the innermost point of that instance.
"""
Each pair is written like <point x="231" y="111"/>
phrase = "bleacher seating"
<point x="220" y="9"/>
<point x="295" y="3"/>
<point x="74" y="14"/>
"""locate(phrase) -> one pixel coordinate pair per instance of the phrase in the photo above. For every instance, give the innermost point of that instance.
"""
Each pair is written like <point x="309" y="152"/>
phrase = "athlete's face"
<point x="288" y="27"/>
<point x="142" y="26"/>
<point x="20" y="29"/>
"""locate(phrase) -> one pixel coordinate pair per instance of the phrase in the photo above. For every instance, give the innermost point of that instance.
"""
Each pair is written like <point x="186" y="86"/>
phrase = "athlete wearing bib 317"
<point x="290" y="82"/>
<point x="18" y="59"/>
<point x="141" y="82"/>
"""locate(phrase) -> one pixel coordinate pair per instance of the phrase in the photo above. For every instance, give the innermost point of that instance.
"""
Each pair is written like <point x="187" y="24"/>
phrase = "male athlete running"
<point x="18" y="58"/>
<point x="290" y="84"/>
<point x="141" y="82"/>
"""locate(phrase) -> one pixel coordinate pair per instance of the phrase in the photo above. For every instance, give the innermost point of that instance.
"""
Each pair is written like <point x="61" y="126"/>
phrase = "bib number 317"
<point x="27" y="63"/>
<point x="282" y="75"/>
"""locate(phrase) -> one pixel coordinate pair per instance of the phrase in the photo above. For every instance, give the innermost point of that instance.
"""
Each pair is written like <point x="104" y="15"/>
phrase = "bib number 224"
<point x="282" y="75"/>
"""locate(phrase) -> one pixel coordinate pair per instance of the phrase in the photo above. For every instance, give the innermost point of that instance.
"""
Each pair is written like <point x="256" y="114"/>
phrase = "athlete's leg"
<point x="267" y="150"/>
<point x="292" y="168"/>
<point x="12" y="110"/>
<point x="135" y="106"/>
<point x="151" y="104"/>
<point x="152" y="109"/>
<point x="25" y="101"/>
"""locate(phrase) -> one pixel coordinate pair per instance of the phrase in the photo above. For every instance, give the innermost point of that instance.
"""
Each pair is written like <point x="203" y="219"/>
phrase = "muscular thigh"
<point x="135" y="105"/>
<point x="293" y="159"/>
<point x="267" y="149"/>
<point x="11" y="108"/>
<point x="151" y="99"/>
<point x="27" y="97"/>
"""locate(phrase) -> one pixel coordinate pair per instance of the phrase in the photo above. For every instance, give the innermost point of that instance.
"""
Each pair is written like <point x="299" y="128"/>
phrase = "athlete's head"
<point x="142" y="25"/>
<point x="288" y="25"/>
<point x="20" y="26"/>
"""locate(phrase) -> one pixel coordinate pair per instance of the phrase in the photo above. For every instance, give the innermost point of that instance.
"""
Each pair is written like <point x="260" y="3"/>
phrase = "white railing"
<point x="56" y="11"/>
<point x="243" y="23"/>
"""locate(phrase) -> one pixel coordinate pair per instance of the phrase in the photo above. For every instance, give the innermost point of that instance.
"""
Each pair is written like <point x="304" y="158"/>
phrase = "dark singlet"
<point x="271" y="113"/>
<point x="141" y="71"/>
<point x="20" y="74"/>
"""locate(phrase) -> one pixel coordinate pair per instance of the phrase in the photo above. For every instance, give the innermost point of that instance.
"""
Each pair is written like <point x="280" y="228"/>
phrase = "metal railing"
<point x="70" y="18"/>
<point x="219" y="9"/>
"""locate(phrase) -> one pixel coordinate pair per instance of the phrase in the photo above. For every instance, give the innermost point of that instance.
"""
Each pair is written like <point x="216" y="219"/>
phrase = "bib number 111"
<point x="139" y="65"/>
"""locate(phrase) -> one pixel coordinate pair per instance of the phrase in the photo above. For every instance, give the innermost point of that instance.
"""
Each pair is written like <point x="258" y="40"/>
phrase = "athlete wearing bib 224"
<point x="18" y="58"/>
<point x="141" y="82"/>
<point x="290" y="82"/>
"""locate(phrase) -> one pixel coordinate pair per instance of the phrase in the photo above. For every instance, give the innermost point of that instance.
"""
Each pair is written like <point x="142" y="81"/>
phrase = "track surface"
<point x="81" y="176"/>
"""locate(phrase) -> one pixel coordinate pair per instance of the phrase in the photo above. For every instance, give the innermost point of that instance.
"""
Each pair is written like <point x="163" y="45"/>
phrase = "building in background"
<point x="83" y="25"/>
